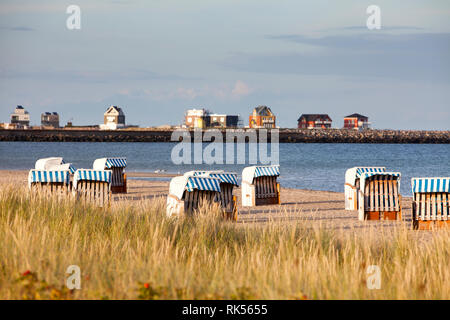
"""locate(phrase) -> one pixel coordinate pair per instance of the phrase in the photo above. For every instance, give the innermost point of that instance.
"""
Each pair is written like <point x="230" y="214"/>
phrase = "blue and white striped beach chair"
<point x="186" y="193"/>
<point x="379" y="196"/>
<point x="228" y="180"/>
<point x="49" y="180"/>
<point x="117" y="167"/>
<point x="431" y="202"/>
<point x="260" y="186"/>
<point x="93" y="185"/>
<point x="352" y="182"/>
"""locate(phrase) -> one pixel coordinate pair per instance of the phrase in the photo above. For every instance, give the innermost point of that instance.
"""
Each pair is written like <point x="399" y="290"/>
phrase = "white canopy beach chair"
<point x="186" y="193"/>
<point x="379" y="196"/>
<point x="49" y="181"/>
<point x="352" y="183"/>
<point x="54" y="164"/>
<point x="93" y="185"/>
<point x="260" y="186"/>
<point x="117" y="166"/>
<point x="228" y="180"/>
<point x="431" y="202"/>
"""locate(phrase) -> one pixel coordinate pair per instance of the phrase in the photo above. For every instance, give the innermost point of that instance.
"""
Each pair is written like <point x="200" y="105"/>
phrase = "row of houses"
<point x="20" y="119"/>
<point x="323" y="121"/>
<point x="113" y="119"/>
<point x="261" y="117"/>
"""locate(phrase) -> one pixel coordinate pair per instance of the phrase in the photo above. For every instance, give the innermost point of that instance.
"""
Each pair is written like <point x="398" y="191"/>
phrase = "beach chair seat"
<point x="431" y="203"/>
<point x="93" y="186"/>
<point x="379" y="196"/>
<point x="49" y="182"/>
<point x="352" y="184"/>
<point x="187" y="193"/>
<point x="260" y="186"/>
<point x="117" y="166"/>
<point x="228" y="180"/>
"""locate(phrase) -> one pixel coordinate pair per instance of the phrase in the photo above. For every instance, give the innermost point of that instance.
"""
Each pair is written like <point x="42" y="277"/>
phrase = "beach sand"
<point x="324" y="207"/>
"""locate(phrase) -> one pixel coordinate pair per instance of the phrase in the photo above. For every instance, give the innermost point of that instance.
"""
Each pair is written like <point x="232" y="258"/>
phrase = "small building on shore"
<point x="113" y="118"/>
<point x="196" y="118"/>
<point x="356" y="121"/>
<point x="50" y="119"/>
<point x="20" y="118"/>
<point x="262" y="117"/>
<point x="314" y="121"/>
<point x="204" y="119"/>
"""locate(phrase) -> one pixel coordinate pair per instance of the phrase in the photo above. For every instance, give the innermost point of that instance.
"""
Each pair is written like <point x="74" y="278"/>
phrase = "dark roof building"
<point x="356" y="121"/>
<point x="262" y="117"/>
<point x="50" y="119"/>
<point x="314" y="121"/>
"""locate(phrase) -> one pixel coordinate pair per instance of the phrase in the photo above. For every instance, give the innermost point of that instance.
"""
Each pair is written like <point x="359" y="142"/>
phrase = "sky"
<point x="157" y="58"/>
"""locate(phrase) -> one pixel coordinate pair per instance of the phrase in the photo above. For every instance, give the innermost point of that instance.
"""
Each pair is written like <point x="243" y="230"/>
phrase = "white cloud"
<point x="240" y="89"/>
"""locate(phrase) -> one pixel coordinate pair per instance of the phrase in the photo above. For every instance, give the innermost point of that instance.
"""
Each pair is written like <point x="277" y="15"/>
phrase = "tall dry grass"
<point x="133" y="251"/>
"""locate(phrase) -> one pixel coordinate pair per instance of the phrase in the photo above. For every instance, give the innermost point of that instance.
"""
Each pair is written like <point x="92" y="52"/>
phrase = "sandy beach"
<point x="324" y="207"/>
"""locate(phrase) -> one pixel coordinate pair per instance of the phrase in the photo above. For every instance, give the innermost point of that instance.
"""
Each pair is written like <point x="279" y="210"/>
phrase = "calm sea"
<point x="305" y="166"/>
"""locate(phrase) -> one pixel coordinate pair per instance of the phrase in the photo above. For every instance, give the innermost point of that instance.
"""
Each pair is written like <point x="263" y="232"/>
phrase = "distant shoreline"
<point x="285" y="136"/>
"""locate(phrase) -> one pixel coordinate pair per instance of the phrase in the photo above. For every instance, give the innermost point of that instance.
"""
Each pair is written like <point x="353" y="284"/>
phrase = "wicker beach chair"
<point x="49" y="182"/>
<point x="260" y="186"/>
<point x="186" y="193"/>
<point x="379" y="196"/>
<point x="93" y="186"/>
<point x="431" y="203"/>
<point x="352" y="184"/>
<point x="228" y="180"/>
<point x="117" y="167"/>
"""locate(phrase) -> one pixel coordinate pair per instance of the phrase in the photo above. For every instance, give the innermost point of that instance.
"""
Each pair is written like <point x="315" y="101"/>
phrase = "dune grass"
<point x="132" y="251"/>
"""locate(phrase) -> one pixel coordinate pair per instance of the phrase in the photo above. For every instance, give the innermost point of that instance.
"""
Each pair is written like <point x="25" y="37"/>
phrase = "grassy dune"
<point x="132" y="251"/>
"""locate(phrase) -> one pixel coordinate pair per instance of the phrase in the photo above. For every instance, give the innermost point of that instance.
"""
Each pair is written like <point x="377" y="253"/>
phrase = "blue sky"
<point x="157" y="58"/>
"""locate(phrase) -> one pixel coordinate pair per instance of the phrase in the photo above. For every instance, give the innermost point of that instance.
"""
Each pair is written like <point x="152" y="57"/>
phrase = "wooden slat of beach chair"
<point x="274" y="186"/>
<point x="428" y="207"/>
<point x="264" y="187"/>
<point x="390" y="194"/>
<point x="366" y="197"/>
<point x="377" y="195"/>
<point x="230" y="195"/>
<point x="101" y="194"/>
<point x="396" y="195"/>
<point x="386" y="195"/>
<point x="445" y="206"/>
<point x="271" y="189"/>
<point x="372" y="195"/>
<point x="422" y="206"/>
<point x="381" y="191"/>
<point x="433" y="206"/>
<point x="196" y="199"/>
<point x="438" y="206"/>
<point x="185" y="202"/>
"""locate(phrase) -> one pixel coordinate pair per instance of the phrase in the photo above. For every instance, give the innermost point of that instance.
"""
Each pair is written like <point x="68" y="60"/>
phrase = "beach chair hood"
<point x="189" y="183"/>
<point x="54" y="164"/>
<point x="91" y="175"/>
<point x="224" y="177"/>
<point x="40" y="176"/>
<point x="355" y="173"/>
<point x="108" y="163"/>
<point x="249" y="173"/>
<point x="366" y="175"/>
<point x="428" y="185"/>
